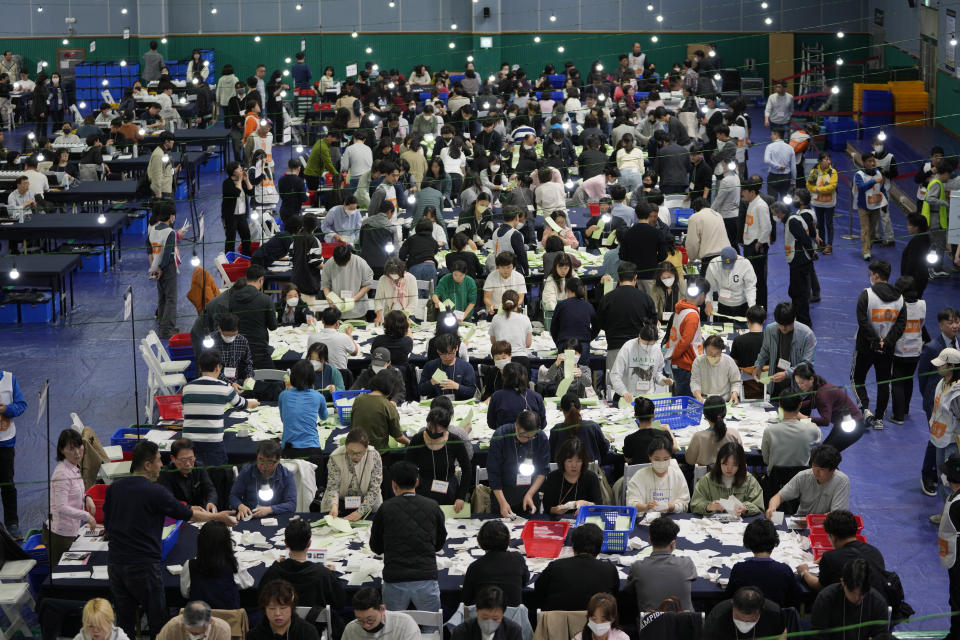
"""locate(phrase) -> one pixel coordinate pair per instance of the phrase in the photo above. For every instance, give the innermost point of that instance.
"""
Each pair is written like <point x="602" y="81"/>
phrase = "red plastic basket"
<point x="236" y="269"/>
<point x="815" y="522"/>
<point x="180" y="340"/>
<point x="326" y="249"/>
<point x="543" y="539"/>
<point x="594" y="208"/>
<point x="170" y="407"/>
<point x="99" y="494"/>
<point x="820" y="544"/>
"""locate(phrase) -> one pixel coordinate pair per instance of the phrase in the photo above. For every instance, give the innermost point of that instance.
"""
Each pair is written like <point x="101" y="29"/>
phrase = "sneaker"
<point x="935" y="518"/>
<point x="14" y="531"/>
<point x="940" y="273"/>
<point x="878" y="424"/>
<point x="895" y="421"/>
<point x="867" y="257"/>
<point x="929" y="488"/>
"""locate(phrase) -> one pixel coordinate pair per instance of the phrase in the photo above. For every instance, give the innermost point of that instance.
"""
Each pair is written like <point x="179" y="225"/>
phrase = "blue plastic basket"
<point x="119" y="437"/>
<point x="678" y="412"/>
<point x="682" y="217"/>
<point x="170" y="540"/>
<point x="614" y="540"/>
<point x="343" y="412"/>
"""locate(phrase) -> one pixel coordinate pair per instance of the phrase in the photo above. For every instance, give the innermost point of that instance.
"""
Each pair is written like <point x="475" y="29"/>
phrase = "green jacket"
<point x="319" y="161"/>
<point x="707" y="490"/>
<point x="461" y="294"/>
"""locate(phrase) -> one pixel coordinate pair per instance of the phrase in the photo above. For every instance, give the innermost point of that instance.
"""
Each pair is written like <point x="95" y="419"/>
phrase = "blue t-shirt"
<point x="299" y="411"/>
<point x="133" y="513"/>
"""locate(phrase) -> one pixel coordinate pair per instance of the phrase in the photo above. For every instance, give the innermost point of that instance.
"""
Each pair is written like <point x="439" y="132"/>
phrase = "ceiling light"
<point x="298" y="148"/>
<point x="369" y="50"/>
<point x="839" y="62"/>
<point x="453" y="27"/>
<point x="535" y="39"/>
<point x="375" y="67"/>
<point x="469" y="58"/>
<point x="599" y="67"/>
<point x="492" y="78"/>
<point x="391" y="4"/>
<point x="560" y="49"/>
<point x="208" y="342"/>
<point x="882" y="136"/>
<point x="163" y="41"/>
<point x="654" y="38"/>
<point x="649" y="7"/>
<point x="287" y="60"/>
<point x="764" y="5"/>
<point x="286" y="72"/>
<point x="834" y="89"/>
<point x="353" y="35"/>
<point x="953" y="42"/>
<point x="39" y="9"/>
<point x="123" y="11"/>
<point x="101" y="219"/>
<point x="788" y="199"/>
<point x="553" y="18"/>
<point x="299" y="7"/>
<point x="768" y="20"/>
<point x="195" y="260"/>
<point x="104" y="82"/>
<point x="712" y="53"/>
<point x="452" y="45"/>
<point x="213" y="11"/>
<point x="14" y="273"/>
<point x="123" y="63"/>
<point x="82" y="105"/>
<point x="840" y="34"/>
<point x="65" y="41"/>
<point x="659" y="18"/>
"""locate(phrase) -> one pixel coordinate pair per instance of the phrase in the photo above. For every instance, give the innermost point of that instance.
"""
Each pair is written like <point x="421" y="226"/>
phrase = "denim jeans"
<point x="424" y="594"/>
<point x="138" y="584"/>
<point x="825" y="223"/>
<point x="426" y="271"/>
<point x="681" y="381"/>
<point x="942" y="454"/>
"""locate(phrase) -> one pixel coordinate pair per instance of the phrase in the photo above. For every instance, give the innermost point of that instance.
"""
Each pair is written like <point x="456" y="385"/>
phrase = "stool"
<point x="13" y="597"/>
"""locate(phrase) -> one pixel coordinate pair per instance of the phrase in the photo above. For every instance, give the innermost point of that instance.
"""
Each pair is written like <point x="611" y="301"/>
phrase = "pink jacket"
<point x="67" y="500"/>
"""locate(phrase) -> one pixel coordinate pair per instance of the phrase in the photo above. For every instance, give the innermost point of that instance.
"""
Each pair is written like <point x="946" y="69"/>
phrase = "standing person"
<point x="734" y="283"/>
<point x="727" y="200"/>
<point x="756" y="235"/>
<point x="945" y="419"/>
<point x="888" y="167"/>
<point x="152" y="63"/>
<point x="574" y="317"/>
<point x="638" y="368"/>
<point x="787" y="344"/>
<point x="913" y="260"/>
<point x="881" y="320"/>
<point x="57" y="102"/>
<point x="906" y="355"/>
<point x="801" y="200"/>
<point x="822" y="185"/>
<point x="160" y="170"/>
<point x="292" y="190"/>
<point x="685" y="342"/>
<point x="779" y="109"/>
<point x="517" y="465"/>
<point x="301" y="71"/>
<point x="622" y="312"/>
<point x="798" y="250"/>
<point x="234" y="209"/>
<point x="781" y="170"/>
<point x="69" y="507"/>
<point x="165" y="266"/>
<point x="871" y="198"/>
<point x="644" y="246"/>
<point x="409" y="544"/>
<point x="947" y="536"/>
<point x="134" y="511"/>
<point x="935" y="211"/>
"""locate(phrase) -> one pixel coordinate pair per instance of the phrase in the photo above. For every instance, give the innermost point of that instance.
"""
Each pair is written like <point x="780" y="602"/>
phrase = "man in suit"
<point x="948" y="321"/>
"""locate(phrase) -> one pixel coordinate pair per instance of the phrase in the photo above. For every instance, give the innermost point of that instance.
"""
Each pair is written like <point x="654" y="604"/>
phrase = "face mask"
<point x="599" y="628"/>
<point x="376" y="629"/>
<point x="481" y="208"/>
<point x="668" y="282"/>
<point x="494" y="168"/>
<point x="500" y="364"/>
<point x="292" y="302"/>
<point x="528" y="147"/>
<point x="877" y="148"/>
<point x="227" y="339"/>
<point x="713" y="359"/>
<point x="660" y="466"/>
<point x="744" y="627"/>
<point x="488" y="627"/>
<point x="377" y="368"/>
<point x="196" y="636"/>
<point x="317" y="365"/>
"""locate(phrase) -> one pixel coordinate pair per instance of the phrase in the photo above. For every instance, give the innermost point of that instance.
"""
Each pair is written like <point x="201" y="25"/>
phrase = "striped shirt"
<point x="203" y="407"/>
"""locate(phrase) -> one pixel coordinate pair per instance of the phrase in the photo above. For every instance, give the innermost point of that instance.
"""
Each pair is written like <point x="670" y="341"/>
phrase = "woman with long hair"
<point x="572" y="485"/>
<point x="69" y="507"/>
<point x="602" y="623"/>
<point x="575" y="318"/>
<point x="213" y="574"/>
<point x="454" y="159"/>
<point x="727" y="478"/>
<point x="555" y="284"/>
<point x="666" y="291"/>
<point x="704" y="444"/>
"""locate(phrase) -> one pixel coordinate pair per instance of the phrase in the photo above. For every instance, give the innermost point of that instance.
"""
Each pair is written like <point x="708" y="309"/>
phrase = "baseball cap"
<point x="947" y="356"/>
<point x="380" y="358"/>
<point x="728" y="256"/>
<point x="951" y="466"/>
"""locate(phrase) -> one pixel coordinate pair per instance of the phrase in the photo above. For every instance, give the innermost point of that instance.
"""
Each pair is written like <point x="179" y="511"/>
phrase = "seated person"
<point x="195" y="620"/>
<point x="841" y="528"/>
<point x="572" y="485"/>
<point x="419" y="251"/>
<point x="512" y="325"/>
<point x="439" y="231"/>
<point x="501" y="280"/>
<point x="548" y="381"/>
<point x="602" y="619"/>
<point x="396" y="337"/>
<point x="436" y="453"/>
<point x="489" y="622"/>
<point x="97" y="619"/>
<point x="372" y="620"/>
<point x="396" y="290"/>
<point x="458" y="377"/>
<point x="787" y="443"/>
<point x="267" y="485"/>
<point x="728" y="477"/>
<point x="746" y="348"/>
<point x="328" y="378"/>
<point x="152" y="119"/>
<point x="705" y="444"/>
<point x="187" y="482"/>
<point x="459" y="288"/>
<point x="775" y="580"/>
<point x="213" y="575"/>
<point x="589" y="433"/>
<point x="562" y="231"/>
<point x="714" y="373"/>
<point x="498" y="567"/>
<point x="315" y="585"/>
<point x="567" y="584"/>
<point x="662" y="574"/>
<point x="820" y="489"/>
<point x="21" y="200"/>
<point x="746" y="615"/>
<point x="376" y="414"/>
<point x="517" y="464"/>
<point x="635" y="444"/>
<point x="279" y="245"/>
<point x="354" y="476"/>
<point x="661" y="486"/>
<point x="380" y="361"/>
<point x="234" y="350"/>
<point x="852" y="599"/>
<point x="491" y="376"/>
<point x="515" y="397"/>
<point x="293" y="311"/>
<point x="280" y="600"/>
<point x="463" y="249"/>
<point x="553" y="249"/>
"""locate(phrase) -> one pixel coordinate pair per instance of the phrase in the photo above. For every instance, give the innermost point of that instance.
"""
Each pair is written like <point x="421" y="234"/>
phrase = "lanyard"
<point x="575" y="487"/>
<point x="446" y="463"/>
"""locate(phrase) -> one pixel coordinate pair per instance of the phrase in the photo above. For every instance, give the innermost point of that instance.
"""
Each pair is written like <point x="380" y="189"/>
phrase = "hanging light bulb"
<point x="40" y="157"/>
<point x="953" y="42"/>
<point x="254" y="215"/>
<point x="429" y="137"/>
<point x="693" y="290"/>
<point x="299" y="6"/>
<point x="654" y="38"/>
<point x="649" y="7"/>
<point x="389" y="247"/>
<point x="704" y="109"/>
<point x="535" y="39"/>
<point x="553" y="18"/>
<point x="932" y="257"/>
<point x="213" y="11"/>
<point x="256" y="38"/>
<point x="14" y="273"/>
<point x="66" y="41"/>
<point x="453" y="27"/>
<point x="371" y="117"/>
<point x="104" y="82"/>
<point x="354" y="34"/>
<point x="299" y="148"/>
<point x="166" y="158"/>
<point x="560" y="49"/>
<point x="391" y="4"/>
<point x="369" y="49"/>
<point x="82" y="105"/>
<point x="286" y="72"/>
<point x="848" y="424"/>
<point x="265" y="493"/>
<point x="834" y="89"/>
<point x="123" y="11"/>
<point x="717" y="76"/>
<point x="287" y="60"/>
<point x="283" y="93"/>
<point x="486" y="105"/>
<point x="195" y="81"/>
<point x="31" y="135"/>
<point x="839" y="62"/>
<point x="526" y="467"/>
<point x="123" y="63"/>
<point x="840" y="34"/>
<point x="882" y="136"/>
<point x="491" y="78"/>
<point x="788" y="199"/>
<point x="732" y="166"/>
<point x="569" y="184"/>
<point x="195" y="260"/>
<point x="39" y="9"/>
<point x="452" y="45"/>
<point x="469" y="58"/>
<point x="606" y="218"/>
<point x="141" y="131"/>
<point x="764" y="5"/>
<point x="601" y="98"/>
<point x="263" y="122"/>
<point x="101" y="219"/>
<point x="183" y="99"/>
<point x="163" y="41"/>
<point x="412" y="199"/>
<point x="712" y="53"/>
<point x="768" y="20"/>
<point x="599" y="67"/>
<point x="449" y="320"/>
<point x="659" y="18"/>
<point x="208" y="342"/>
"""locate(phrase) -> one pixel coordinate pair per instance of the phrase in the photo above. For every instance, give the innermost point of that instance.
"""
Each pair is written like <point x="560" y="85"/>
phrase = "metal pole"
<point x="133" y="347"/>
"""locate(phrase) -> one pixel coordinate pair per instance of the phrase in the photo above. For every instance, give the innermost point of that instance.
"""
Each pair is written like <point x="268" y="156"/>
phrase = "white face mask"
<point x="292" y="302"/>
<point x="317" y="365"/>
<point x="488" y="627"/>
<point x="494" y="168"/>
<point x="877" y="148"/>
<point x="227" y="339"/>
<point x="660" y="466"/>
<point x="668" y="282"/>
<point x="196" y="636"/>
<point x="377" y="368"/>
<point x="599" y="628"/>
<point x="744" y="627"/>
<point x="500" y="364"/>
<point x="528" y="147"/>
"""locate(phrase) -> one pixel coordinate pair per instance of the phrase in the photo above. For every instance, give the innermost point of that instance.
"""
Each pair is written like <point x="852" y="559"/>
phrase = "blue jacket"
<point x="301" y="75"/>
<point x="506" y="404"/>
<point x="927" y="376"/>
<point x="299" y="411"/>
<point x="462" y="373"/>
<point x="249" y="481"/>
<point x="14" y="408"/>
<point x="803" y="348"/>
<point x="863" y="186"/>
<point x="506" y="453"/>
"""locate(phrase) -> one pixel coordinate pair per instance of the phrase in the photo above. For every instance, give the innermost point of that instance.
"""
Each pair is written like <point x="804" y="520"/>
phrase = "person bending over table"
<point x="499" y="567"/>
<point x="517" y="464"/>
<point x="133" y="515"/>
<point x="188" y="483"/>
<point x="97" y="619"/>
<point x="458" y="288"/>
<point x="354" y="476"/>
<point x="69" y="507"/>
<point x="714" y="373"/>
<point x="459" y="377"/>
<point x="515" y="397"/>
<point x="705" y="444"/>
<point x="435" y="453"/>
<point x="213" y="575"/>
<point x="821" y="489"/>
<point x="635" y="444"/>
<point x="512" y="325"/>
<point x="832" y="403"/>
<point x="328" y="378"/>
<point x="293" y="311"/>
<point x="574" y="427"/>
<point x="396" y="290"/>
<point x="787" y="443"/>
<point x="267" y="485"/>
<point x="396" y="337"/>
<point x="278" y="602"/>
<point x="852" y="599"/>
<point x="571" y="485"/>
<point x="661" y="486"/>
<point x="776" y="580"/>
<point x="341" y="345"/>
<point x="314" y="584"/>
<point x="842" y="528"/>
<point x="575" y="317"/>
<point x="380" y="361"/>
<point x="728" y="477"/>
<point x="663" y="574"/>
<point x="279" y="245"/>
<point x="502" y="280"/>
<point x="376" y="414"/>
<point x="491" y="377"/>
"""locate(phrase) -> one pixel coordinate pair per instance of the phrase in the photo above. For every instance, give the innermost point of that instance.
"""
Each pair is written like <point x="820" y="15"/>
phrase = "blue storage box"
<point x="93" y="259"/>
<point x="677" y="412"/>
<point x="171" y="539"/>
<point x="120" y="439"/>
<point x="682" y="217"/>
<point x="614" y="539"/>
<point x="42" y="312"/>
<point x="35" y="548"/>
<point x="839" y="130"/>
<point x="136" y="224"/>
<point x="9" y="313"/>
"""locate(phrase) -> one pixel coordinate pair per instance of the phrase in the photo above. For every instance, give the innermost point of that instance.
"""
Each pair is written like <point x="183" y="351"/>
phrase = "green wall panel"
<point x="948" y="111"/>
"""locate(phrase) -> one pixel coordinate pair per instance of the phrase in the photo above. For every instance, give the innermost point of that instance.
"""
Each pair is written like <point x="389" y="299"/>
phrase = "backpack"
<point x="892" y="591"/>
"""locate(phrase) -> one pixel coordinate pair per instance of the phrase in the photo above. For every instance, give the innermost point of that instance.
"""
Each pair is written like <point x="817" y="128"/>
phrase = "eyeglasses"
<point x="266" y="463"/>
<point x="184" y="460"/>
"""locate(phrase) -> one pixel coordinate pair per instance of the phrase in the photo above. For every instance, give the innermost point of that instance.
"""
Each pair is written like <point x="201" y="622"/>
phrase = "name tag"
<point x="351" y="502"/>
<point x="439" y="486"/>
<point x="783" y="364"/>
<point x="230" y="372"/>
<point x="346" y="295"/>
<point x="466" y="134"/>
<point x="665" y="316"/>
<point x="529" y="207"/>
<point x="524" y="480"/>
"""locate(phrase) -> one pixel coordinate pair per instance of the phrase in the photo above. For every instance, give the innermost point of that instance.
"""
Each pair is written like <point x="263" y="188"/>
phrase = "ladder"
<point x="811" y="65"/>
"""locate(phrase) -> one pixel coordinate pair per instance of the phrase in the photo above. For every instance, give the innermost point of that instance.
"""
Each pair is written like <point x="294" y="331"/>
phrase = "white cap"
<point x="947" y="356"/>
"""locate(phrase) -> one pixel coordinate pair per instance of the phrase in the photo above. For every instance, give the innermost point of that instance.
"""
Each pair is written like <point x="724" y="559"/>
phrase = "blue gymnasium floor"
<point x="88" y="360"/>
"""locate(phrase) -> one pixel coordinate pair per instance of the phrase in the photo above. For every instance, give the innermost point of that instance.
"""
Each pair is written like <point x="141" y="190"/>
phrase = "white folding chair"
<point x="628" y="472"/>
<point x="263" y="375"/>
<point x="14" y="596"/>
<point x="430" y="620"/>
<point x="673" y="202"/>
<point x="152" y="341"/>
<point x="158" y="382"/>
<point x="481" y="474"/>
<point x="424" y="290"/>
<point x="323" y="616"/>
<point x="221" y="260"/>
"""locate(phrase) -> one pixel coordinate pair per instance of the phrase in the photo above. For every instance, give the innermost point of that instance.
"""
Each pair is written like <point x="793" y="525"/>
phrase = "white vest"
<point x="942" y="427"/>
<point x="499" y="244"/>
<point x="911" y="342"/>
<point x="8" y="429"/>
<point x="883" y="315"/>
<point x="158" y="239"/>
<point x="873" y="196"/>
<point x="947" y="535"/>
<point x="757" y="210"/>
<point x="696" y="343"/>
<point x="789" y="242"/>
<point x="824" y="200"/>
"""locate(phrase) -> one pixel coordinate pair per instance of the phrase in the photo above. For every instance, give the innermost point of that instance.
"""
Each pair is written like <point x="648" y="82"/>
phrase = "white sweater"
<point x="716" y="380"/>
<point x="757" y="223"/>
<point x="638" y="369"/>
<point x="735" y="285"/>
<point x="645" y="486"/>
